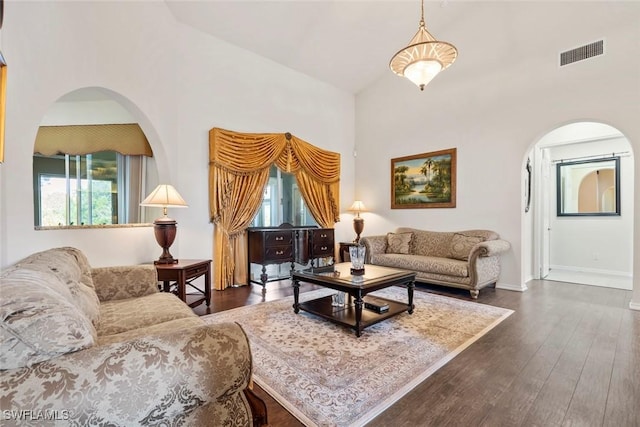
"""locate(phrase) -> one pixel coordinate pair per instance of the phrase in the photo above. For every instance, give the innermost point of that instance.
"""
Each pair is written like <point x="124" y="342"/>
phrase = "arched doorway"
<point x="584" y="246"/>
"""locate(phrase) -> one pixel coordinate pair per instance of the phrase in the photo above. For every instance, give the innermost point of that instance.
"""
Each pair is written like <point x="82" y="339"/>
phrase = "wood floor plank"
<point x="477" y="384"/>
<point x="553" y="400"/>
<point x="516" y="401"/>
<point x="569" y="354"/>
<point x="551" y="315"/>
<point x="623" y="407"/>
<point x="589" y="400"/>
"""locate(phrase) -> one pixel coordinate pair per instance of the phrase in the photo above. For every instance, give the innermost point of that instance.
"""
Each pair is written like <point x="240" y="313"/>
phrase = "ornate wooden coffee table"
<point x="339" y="277"/>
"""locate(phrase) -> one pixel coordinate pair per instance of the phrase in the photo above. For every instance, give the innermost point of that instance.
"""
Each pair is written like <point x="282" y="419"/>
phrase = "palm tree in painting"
<point x="438" y="174"/>
<point x="426" y="169"/>
<point x="401" y="184"/>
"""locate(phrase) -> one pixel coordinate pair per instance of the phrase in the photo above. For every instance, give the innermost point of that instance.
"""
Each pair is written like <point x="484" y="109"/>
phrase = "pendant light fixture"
<point x="424" y="57"/>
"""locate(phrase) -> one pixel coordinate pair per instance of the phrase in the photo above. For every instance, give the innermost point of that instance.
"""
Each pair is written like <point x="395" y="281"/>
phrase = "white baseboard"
<point x="510" y="287"/>
<point x="591" y="270"/>
<point x="634" y="305"/>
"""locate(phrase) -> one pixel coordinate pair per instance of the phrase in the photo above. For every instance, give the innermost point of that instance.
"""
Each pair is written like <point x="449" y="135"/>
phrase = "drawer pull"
<point x="279" y="252"/>
<point x="323" y="236"/>
<point x="324" y="248"/>
<point x="279" y="238"/>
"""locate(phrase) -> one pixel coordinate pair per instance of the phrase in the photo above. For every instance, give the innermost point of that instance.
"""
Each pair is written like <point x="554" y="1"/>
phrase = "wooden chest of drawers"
<point x="269" y="246"/>
<point x="278" y="245"/>
<point x="316" y="243"/>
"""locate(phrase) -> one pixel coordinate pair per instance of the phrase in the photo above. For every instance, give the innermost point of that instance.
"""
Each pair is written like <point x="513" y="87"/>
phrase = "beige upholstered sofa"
<point x="466" y="259"/>
<point x="102" y="346"/>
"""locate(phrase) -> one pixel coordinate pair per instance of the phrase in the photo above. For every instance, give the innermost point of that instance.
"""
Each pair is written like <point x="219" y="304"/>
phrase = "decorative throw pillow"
<point x="83" y="263"/>
<point x="38" y="323"/>
<point x="70" y="266"/>
<point x="461" y="245"/>
<point x="398" y="243"/>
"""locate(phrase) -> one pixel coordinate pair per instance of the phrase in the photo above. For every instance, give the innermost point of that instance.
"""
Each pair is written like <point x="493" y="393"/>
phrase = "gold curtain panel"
<point x="238" y="171"/>
<point x="126" y="139"/>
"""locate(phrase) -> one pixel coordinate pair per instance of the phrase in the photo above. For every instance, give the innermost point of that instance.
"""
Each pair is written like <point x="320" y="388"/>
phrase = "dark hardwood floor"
<point x="568" y="356"/>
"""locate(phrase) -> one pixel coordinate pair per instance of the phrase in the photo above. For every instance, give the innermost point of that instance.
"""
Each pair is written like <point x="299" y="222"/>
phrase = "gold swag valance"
<point x="126" y="139"/>
<point x="238" y="172"/>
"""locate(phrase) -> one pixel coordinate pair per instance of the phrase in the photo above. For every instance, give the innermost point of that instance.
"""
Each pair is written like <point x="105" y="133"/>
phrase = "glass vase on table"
<point x="357" y="254"/>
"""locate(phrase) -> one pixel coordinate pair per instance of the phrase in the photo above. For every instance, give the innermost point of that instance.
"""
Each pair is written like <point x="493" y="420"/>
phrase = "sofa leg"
<point x="258" y="408"/>
<point x="474" y="293"/>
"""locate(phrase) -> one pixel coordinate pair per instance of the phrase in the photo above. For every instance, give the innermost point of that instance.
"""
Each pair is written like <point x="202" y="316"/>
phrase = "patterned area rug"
<point x="326" y="376"/>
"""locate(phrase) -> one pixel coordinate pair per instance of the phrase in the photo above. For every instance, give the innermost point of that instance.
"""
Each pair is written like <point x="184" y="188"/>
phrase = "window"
<point x="282" y="202"/>
<point x="90" y="189"/>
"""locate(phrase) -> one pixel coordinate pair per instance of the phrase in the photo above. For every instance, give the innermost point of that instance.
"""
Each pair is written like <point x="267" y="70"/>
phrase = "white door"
<point x="548" y="192"/>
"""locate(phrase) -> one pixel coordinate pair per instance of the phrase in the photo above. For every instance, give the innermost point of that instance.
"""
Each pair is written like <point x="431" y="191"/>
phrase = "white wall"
<point x="86" y="113"/>
<point x="494" y="103"/>
<point x="598" y="244"/>
<point x="178" y="83"/>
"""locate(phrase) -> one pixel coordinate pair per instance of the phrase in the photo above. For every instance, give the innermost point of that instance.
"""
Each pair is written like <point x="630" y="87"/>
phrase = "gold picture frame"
<point x="425" y="180"/>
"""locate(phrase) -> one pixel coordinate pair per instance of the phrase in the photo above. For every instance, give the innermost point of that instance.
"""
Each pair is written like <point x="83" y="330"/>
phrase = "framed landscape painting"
<point x="424" y="180"/>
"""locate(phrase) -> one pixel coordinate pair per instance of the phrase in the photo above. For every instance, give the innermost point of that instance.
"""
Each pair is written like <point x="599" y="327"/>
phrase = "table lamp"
<point x="164" y="228"/>
<point x="358" y="223"/>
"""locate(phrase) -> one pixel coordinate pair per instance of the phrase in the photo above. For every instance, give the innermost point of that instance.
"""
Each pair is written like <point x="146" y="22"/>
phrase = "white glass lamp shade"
<point x="422" y="72"/>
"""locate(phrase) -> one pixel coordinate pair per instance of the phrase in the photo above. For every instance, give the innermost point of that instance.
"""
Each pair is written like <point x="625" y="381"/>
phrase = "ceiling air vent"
<point x="581" y="53"/>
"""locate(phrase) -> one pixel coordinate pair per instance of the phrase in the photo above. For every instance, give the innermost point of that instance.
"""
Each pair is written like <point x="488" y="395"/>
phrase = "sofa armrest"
<point x="484" y="262"/>
<point x="491" y="247"/>
<point x="113" y="283"/>
<point x="375" y="245"/>
<point x="161" y="377"/>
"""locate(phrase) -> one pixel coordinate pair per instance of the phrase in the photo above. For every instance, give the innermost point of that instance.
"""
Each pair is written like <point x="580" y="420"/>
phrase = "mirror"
<point x="92" y="164"/>
<point x="588" y="187"/>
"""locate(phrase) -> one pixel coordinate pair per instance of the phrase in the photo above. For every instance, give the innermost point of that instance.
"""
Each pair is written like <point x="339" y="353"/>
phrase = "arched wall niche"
<point x="102" y="106"/>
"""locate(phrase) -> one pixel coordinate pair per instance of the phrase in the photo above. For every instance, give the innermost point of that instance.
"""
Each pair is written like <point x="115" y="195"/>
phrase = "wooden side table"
<point x="184" y="273"/>
<point x="343" y="252"/>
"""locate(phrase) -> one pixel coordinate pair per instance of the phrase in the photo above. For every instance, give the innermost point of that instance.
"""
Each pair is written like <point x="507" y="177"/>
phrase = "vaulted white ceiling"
<point x="348" y="43"/>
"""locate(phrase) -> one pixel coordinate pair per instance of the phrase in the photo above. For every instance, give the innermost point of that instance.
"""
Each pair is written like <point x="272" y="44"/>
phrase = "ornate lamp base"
<point x="165" y="231"/>
<point x="358" y="227"/>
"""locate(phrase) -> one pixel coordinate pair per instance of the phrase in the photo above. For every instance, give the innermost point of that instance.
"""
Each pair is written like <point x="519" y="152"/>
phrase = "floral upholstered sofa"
<point x="102" y="346"/>
<point x="465" y="259"/>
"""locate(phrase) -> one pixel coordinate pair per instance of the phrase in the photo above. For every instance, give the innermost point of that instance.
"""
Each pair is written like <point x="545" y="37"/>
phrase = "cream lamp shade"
<point x="164" y="196"/>
<point x="357" y="207"/>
